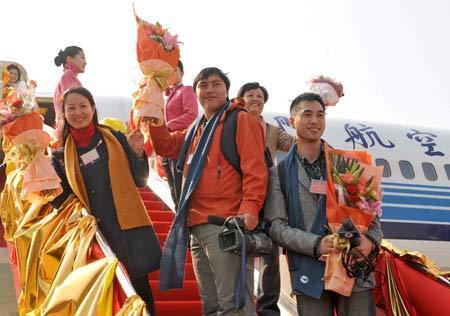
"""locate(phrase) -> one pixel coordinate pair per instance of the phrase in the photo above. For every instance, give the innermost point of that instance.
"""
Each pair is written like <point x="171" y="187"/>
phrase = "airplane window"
<point x="406" y="169"/>
<point x="429" y="171"/>
<point x="387" y="169"/>
<point x="447" y="171"/>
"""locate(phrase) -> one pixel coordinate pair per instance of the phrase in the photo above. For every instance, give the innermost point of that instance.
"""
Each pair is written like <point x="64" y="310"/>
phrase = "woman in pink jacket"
<point x="74" y="62"/>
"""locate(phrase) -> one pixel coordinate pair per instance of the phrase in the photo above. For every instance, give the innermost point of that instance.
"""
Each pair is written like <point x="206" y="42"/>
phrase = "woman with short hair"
<point x="14" y="75"/>
<point x="255" y="97"/>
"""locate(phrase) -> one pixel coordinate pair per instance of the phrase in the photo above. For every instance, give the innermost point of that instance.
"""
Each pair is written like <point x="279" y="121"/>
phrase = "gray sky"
<point x="393" y="57"/>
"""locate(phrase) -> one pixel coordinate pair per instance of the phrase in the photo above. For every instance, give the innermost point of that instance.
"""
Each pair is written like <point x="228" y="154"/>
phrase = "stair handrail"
<point x="161" y="188"/>
<point x="120" y="274"/>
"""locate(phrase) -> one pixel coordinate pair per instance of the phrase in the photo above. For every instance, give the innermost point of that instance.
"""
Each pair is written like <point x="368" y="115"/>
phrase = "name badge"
<point x="318" y="187"/>
<point x="89" y="157"/>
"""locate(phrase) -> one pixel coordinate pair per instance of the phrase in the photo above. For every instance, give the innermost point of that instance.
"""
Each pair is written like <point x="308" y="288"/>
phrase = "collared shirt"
<point x="314" y="169"/>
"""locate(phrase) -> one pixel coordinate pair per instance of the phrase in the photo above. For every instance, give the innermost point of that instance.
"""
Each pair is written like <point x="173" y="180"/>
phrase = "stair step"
<point x="162" y="227"/>
<point x="189" y="292"/>
<point x="161" y="216"/>
<point x="148" y="196"/>
<point x="176" y="308"/>
<point x="144" y="189"/>
<point x="154" y="205"/>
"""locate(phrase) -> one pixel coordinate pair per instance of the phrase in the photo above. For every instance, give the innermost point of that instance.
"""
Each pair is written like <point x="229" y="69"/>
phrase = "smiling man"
<point x="212" y="186"/>
<point x="296" y="207"/>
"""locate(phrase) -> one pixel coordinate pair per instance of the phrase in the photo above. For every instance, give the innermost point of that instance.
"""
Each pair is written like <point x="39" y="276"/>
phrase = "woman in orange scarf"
<point x="102" y="168"/>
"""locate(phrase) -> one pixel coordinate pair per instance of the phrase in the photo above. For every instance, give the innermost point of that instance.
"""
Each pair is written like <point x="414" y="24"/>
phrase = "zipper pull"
<point x="219" y="169"/>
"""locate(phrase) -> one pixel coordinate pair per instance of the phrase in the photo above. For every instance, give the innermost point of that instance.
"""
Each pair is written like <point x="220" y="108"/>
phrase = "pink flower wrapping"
<point x="39" y="176"/>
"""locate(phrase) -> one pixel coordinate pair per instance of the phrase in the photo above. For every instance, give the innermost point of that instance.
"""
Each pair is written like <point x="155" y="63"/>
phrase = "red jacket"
<point x="221" y="190"/>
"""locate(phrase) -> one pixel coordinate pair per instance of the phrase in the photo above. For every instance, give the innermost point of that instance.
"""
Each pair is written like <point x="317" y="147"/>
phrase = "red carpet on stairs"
<point x="186" y="301"/>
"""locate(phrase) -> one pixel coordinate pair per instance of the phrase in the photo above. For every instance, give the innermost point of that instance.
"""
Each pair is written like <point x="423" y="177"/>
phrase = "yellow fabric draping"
<point x="52" y="246"/>
<point x="12" y="208"/>
<point x="67" y="254"/>
<point x="133" y="306"/>
<point x="85" y="291"/>
<point x="49" y="248"/>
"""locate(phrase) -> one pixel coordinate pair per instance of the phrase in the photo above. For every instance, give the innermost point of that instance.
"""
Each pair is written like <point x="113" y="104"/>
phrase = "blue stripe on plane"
<point x="415" y="231"/>
<point x="415" y="214"/>
<point x="387" y="190"/>
<point x="411" y="228"/>
<point x="416" y="185"/>
<point x="412" y="200"/>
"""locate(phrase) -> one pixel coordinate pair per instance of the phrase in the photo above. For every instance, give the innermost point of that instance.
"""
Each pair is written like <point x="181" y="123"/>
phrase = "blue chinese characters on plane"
<point x="366" y="136"/>
<point x="425" y="140"/>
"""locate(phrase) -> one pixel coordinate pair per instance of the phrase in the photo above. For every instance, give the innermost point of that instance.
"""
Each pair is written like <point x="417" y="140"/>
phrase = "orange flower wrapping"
<point x="336" y="278"/>
<point x="157" y="61"/>
<point x="147" y="49"/>
<point x="27" y="122"/>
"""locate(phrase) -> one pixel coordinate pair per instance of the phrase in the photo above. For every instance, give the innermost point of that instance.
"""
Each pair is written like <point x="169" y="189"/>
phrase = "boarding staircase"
<point x="184" y="301"/>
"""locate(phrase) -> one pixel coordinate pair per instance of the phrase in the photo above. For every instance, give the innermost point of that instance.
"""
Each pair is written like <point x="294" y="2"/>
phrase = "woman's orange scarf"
<point x="130" y="210"/>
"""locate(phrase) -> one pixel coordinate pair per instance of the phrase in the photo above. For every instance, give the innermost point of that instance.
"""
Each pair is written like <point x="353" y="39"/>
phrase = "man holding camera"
<point x="212" y="186"/>
<point x="296" y="207"/>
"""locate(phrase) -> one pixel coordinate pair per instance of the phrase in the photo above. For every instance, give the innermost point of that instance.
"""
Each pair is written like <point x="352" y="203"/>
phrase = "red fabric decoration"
<point x="421" y="294"/>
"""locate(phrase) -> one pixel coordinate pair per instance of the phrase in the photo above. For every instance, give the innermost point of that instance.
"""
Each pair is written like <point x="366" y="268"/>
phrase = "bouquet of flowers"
<point x="353" y="194"/>
<point x="158" y="54"/>
<point x="357" y="185"/>
<point x="161" y="35"/>
<point x="17" y="102"/>
<point x="329" y="89"/>
<point x="25" y="143"/>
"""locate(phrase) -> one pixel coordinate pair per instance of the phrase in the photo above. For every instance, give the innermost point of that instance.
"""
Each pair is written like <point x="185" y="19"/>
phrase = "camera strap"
<point x="240" y="291"/>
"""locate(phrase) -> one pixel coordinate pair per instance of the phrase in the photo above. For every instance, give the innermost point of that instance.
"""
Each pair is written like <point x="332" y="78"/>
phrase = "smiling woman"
<point x="255" y="97"/>
<point x="74" y="62"/>
<point x="78" y="110"/>
<point x="103" y="168"/>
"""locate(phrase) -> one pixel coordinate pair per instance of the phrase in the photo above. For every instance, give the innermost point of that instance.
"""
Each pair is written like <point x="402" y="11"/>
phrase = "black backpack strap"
<point x="282" y="176"/>
<point x="228" y="139"/>
<point x="268" y="158"/>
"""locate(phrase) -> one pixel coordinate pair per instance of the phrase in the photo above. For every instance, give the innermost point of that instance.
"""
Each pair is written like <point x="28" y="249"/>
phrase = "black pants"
<point x="142" y="288"/>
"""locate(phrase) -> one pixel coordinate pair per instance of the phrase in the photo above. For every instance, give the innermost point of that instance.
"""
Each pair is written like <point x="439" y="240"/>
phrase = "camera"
<point x="349" y="231"/>
<point x="234" y="235"/>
